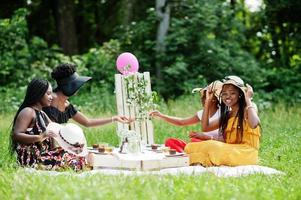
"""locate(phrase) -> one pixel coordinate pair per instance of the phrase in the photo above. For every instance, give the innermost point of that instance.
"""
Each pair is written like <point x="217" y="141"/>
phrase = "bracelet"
<point x="112" y="119"/>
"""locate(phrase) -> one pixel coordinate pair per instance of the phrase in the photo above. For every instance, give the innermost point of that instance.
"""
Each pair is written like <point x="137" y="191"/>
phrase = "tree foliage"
<point x="204" y="43"/>
<point x="206" y="40"/>
<point x="22" y="57"/>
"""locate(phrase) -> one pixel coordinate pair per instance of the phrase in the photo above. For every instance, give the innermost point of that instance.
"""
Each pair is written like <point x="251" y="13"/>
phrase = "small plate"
<point x="174" y="155"/>
<point x="91" y="150"/>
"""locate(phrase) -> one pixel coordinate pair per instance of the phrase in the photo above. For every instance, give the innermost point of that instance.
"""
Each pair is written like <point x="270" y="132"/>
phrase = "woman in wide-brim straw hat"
<point x="238" y="123"/>
<point x="214" y="113"/>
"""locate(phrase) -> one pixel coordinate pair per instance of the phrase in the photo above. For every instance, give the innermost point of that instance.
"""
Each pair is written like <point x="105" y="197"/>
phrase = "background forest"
<point x="183" y="43"/>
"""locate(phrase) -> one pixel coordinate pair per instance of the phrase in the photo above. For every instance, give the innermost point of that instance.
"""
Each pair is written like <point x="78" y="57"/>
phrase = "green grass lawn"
<point x="280" y="149"/>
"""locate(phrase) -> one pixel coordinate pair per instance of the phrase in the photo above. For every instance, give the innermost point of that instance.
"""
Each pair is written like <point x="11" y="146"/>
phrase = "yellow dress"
<point x="215" y="153"/>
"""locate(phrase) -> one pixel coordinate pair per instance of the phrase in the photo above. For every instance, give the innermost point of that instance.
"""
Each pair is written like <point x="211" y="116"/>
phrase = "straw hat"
<point x="215" y="86"/>
<point x="70" y="137"/>
<point x="236" y="81"/>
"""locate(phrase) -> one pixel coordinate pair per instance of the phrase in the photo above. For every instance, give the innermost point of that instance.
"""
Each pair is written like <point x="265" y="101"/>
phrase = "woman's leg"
<point x="215" y="153"/>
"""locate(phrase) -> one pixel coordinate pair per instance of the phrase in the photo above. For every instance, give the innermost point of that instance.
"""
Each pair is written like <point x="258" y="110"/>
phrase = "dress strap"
<point x="41" y="121"/>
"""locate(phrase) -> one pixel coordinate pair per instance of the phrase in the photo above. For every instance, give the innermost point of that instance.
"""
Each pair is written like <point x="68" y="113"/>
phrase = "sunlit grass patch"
<point x="280" y="149"/>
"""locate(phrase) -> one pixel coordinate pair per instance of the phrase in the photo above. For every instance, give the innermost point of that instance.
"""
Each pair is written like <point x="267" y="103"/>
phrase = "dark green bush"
<point x="206" y="40"/>
<point x="99" y="63"/>
<point x="23" y="58"/>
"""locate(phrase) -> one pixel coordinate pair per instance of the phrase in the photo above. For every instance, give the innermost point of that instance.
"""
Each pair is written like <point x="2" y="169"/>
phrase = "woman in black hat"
<point x="61" y="110"/>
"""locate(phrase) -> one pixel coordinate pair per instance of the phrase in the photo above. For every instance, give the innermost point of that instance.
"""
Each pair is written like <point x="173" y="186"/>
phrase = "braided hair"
<point x="225" y="115"/>
<point x="63" y="70"/>
<point x="36" y="89"/>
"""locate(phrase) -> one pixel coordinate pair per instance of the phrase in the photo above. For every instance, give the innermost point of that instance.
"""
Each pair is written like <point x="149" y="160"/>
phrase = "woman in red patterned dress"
<point x="29" y="138"/>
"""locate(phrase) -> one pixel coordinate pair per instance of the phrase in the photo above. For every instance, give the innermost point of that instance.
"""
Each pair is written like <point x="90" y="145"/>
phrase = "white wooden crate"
<point x="145" y="129"/>
<point x="141" y="162"/>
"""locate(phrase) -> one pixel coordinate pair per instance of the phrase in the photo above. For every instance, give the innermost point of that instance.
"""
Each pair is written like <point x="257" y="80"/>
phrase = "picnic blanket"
<point x="222" y="171"/>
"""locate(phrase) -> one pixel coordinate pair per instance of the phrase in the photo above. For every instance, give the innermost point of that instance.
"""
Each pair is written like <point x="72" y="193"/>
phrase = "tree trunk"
<point x="126" y="10"/>
<point x="163" y="13"/>
<point x="233" y="3"/>
<point x="65" y="25"/>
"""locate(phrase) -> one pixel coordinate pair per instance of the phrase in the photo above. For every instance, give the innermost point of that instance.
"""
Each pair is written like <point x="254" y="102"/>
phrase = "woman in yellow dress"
<point x="238" y="124"/>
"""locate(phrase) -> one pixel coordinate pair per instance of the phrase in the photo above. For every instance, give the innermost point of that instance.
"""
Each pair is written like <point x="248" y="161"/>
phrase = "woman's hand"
<point x="155" y="113"/>
<point x="249" y="92"/>
<point x="251" y="109"/>
<point x="193" y="134"/>
<point x="201" y="136"/>
<point x="209" y="96"/>
<point x="122" y="119"/>
<point x="47" y="134"/>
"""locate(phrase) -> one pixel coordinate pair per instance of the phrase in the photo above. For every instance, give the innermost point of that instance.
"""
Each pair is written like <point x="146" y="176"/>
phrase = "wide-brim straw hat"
<point x="70" y="137"/>
<point x="236" y="81"/>
<point x="215" y="86"/>
<point x="71" y="84"/>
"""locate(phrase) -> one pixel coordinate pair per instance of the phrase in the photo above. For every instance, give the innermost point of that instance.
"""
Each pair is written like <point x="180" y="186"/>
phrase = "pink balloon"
<point x="127" y="63"/>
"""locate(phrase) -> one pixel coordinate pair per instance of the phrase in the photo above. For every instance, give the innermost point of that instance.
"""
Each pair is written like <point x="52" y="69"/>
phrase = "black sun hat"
<point x="72" y="83"/>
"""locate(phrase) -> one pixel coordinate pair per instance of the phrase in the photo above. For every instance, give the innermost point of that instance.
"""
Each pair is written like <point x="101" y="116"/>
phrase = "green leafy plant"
<point x="138" y="97"/>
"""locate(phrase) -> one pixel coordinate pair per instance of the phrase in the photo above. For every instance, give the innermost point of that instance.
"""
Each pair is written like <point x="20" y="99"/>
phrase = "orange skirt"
<point x="215" y="153"/>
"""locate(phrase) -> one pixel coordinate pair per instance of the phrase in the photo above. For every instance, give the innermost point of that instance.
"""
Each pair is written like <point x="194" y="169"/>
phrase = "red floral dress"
<point x="41" y="155"/>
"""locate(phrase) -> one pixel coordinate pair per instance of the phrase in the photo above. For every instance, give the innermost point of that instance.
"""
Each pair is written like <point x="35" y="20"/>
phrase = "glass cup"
<point x="165" y="150"/>
<point x="109" y="149"/>
<point x="104" y="145"/>
<point x="134" y="146"/>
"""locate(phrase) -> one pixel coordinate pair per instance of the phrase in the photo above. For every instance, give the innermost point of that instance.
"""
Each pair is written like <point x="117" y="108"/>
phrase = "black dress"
<point x="40" y="155"/>
<point x="58" y="116"/>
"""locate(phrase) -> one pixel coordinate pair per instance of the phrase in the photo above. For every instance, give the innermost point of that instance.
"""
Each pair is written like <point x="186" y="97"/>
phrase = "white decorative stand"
<point x="143" y="128"/>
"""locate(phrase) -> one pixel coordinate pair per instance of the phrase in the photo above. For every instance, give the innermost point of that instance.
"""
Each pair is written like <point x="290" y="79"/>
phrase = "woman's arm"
<point x="251" y="110"/>
<point x="176" y="120"/>
<point x="200" y="136"/>
<point x="204" y="136"/>
<point x="214" y="124"/>
<point x="23" y="122"/>
<point x="87" y="122"/>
